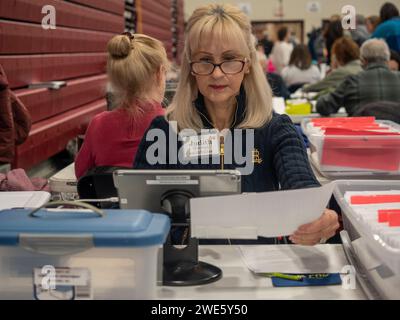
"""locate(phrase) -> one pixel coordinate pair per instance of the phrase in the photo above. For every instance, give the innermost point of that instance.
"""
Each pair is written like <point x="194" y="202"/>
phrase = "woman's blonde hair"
<point x="228" y="23"/>
<point x="133" y="62"/>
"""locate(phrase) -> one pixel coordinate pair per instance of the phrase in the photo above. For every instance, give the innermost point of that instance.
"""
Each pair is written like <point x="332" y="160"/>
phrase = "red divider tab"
<point x="394" y="219"/>
<point x="375" y="199"/>
<point x="384" y="214"/>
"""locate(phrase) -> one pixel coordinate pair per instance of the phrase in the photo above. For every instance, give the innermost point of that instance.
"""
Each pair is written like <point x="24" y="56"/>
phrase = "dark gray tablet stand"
<point x="181" y="265"/>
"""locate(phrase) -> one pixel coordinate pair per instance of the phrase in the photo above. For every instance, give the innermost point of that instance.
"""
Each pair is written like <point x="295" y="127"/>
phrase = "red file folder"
<point x="363" y="153"/>
<point x="360" y="148"/>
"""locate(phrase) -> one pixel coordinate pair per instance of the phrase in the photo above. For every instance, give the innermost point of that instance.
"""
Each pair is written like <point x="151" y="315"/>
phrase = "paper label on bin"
<point x="50" y="283"/>
<point x="172" y="180"/>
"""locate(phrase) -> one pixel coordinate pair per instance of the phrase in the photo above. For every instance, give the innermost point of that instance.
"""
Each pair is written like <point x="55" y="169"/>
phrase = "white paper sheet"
<point x="23" y="199"/>
<point x="267" y="214"/>
<point x="278" y="103"/>
<point x="323" y="258"/>
<point x="300" y="94"/>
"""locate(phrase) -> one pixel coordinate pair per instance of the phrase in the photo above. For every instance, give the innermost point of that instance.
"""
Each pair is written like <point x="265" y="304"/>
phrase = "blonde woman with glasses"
<point x="223" y="96"/>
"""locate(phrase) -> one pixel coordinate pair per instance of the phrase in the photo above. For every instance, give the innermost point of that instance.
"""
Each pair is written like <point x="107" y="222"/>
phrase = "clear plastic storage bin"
<point x="70" y="254"/>
<point x="367" y="155"/>
<point x="379" y="255"/>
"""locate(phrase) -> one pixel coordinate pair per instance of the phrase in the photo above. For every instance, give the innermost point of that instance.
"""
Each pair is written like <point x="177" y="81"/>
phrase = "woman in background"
<point x="136" y="68"/>
<point x="389" y="27"/>
<point x="345" y="62"/>
<point x="300" y="69"/>
<point x="333" y="32"/>
<point x="282" y="50"/>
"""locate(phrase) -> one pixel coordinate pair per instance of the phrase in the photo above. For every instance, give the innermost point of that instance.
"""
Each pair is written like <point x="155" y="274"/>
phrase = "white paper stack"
<point x="23" y="199"/>
<point x="294" y="259"/>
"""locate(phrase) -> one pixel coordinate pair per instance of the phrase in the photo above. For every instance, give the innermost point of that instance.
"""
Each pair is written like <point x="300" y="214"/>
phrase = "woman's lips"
<point x="217" y="87"/>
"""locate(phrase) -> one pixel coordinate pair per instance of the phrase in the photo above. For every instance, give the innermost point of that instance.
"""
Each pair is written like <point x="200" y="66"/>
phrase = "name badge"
<point x="203" y="145"/>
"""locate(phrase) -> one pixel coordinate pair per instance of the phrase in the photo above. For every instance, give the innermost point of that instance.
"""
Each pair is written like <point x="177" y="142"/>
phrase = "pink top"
<point x="112" y="138"/>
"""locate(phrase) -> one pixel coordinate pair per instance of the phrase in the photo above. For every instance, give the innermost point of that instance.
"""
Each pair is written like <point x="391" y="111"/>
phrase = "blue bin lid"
<point x="127" y="228"/>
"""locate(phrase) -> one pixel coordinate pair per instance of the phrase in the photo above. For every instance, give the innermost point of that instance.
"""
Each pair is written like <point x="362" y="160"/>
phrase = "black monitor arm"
<point x="181" y="265"/>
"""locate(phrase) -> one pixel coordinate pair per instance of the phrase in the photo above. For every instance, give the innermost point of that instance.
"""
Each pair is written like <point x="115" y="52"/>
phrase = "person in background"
<point x="371" y="23"/>
<point x="262" y="57"/>
<point x="360" y="34"/>
<point x="222" y="88"/>
<point x="278" y="86"/>
<point x="293" y="39"/>
<point x="267" y="44"/>
<point x="282" y="50"/>
<point x="300" y="69"/>
<point x="136" y="68"/>
<point x="389" y="27"/>
<point x="15" y="121"/>
<point x="375" y="83"/>
<point x="394" y="62"/>
<point x="333" y="31"/>
<point x="316" y="45"/>
<point x="346" y="62"/>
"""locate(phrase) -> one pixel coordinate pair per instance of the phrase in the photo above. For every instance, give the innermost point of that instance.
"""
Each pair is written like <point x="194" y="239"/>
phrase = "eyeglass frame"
<point x="217" y="65"/>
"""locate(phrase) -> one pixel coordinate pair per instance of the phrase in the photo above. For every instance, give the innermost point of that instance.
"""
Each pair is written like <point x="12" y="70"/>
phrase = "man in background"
<point x="376" y="83"/>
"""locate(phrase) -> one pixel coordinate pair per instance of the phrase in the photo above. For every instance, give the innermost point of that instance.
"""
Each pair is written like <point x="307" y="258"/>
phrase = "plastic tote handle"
<point x="69" y="203"/>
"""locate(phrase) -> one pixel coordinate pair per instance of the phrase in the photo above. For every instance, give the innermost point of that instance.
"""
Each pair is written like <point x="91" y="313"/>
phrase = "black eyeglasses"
<point x="205" y="68"/>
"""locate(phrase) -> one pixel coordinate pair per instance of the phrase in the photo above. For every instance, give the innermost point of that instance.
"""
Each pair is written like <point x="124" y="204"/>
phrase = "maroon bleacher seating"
<point x="74" y="52"/>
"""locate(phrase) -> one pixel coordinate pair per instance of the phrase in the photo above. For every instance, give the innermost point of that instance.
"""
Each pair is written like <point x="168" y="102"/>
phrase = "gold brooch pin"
<point x="256" y="156"/>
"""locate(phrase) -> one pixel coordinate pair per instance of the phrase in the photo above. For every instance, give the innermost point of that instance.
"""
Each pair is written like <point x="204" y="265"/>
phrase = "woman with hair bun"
<point x="136" y="69"/>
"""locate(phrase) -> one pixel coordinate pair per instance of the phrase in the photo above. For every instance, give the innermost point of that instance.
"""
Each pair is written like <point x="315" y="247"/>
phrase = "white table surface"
<point x="238" y="283"/>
